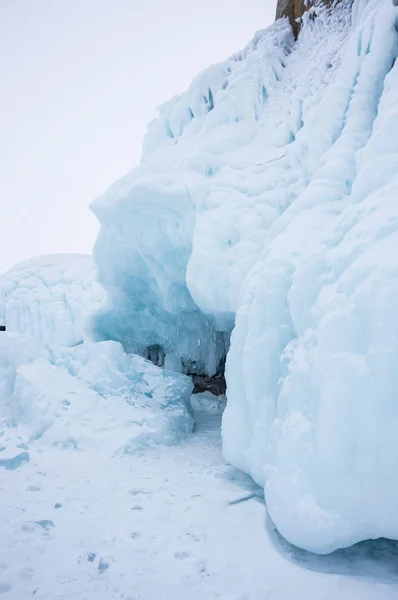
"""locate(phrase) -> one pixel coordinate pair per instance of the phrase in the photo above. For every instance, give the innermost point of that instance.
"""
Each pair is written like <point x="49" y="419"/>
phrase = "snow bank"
<point x="267" y="191"/>
<point x="90" y="395"/>
<point x="50" y="297"/>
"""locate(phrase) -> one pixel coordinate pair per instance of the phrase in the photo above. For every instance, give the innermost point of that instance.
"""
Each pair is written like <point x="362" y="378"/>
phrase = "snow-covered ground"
<point x="161" y="524"/>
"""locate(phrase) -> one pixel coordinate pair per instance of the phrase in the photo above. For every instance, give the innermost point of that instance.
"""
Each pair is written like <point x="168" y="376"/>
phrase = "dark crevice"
<point x="211" y="101"/>
<point x="202" y="381"/>
<point x="155" y="354"/>
<point x="215" y="383"/>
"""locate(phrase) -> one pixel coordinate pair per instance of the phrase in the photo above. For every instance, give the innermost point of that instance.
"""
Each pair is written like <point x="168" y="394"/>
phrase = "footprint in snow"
<point x="181" y="555"/>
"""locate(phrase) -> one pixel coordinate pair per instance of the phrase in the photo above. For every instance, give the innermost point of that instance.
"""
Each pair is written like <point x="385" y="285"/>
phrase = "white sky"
<point x="80" y="79"/>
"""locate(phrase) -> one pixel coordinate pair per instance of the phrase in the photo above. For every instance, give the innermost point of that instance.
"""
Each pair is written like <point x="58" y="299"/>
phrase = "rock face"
<point x="294" y="9"/>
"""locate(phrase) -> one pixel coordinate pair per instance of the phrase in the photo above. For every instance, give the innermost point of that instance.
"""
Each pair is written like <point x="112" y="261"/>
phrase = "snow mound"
<point x="50" y="297"/>
<point x="88" y="396"/>
<point x="267" y="192"/>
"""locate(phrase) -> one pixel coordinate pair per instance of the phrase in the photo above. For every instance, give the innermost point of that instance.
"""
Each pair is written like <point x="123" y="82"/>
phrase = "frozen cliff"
<point x="265" y="204"/>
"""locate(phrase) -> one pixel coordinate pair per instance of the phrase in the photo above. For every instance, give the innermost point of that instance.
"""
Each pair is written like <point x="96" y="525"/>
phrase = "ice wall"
<point x="267" y="193"/>
<point x="313" y="409"/>
<point x="170" y="257"/>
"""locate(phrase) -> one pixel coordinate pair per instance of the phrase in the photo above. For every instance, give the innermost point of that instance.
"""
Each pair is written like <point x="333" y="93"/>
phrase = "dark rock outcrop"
<point x="215" y="384"/>
<point x="203" y="383"/>
<point x="294" y="9"/>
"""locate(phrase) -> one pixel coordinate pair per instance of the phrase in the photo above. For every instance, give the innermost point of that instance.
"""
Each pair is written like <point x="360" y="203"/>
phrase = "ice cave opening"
<point x="203" y="380"/>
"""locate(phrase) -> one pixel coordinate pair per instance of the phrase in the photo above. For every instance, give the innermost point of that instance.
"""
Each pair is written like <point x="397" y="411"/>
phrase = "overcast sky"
<point x="80" y="79"/>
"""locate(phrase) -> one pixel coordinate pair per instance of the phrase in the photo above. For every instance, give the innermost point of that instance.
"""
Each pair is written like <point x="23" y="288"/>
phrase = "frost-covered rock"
<point x="267" y="192"/>
<point x="90" y="395"/>
<point x="50" y="297"/>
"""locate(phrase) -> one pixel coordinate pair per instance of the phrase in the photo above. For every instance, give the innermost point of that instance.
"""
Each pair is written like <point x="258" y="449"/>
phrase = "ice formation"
<point x="50" y="297"/>
<point x="266" y="192"/>
<point x="311" y="371"/>
<point x="58" y="387"/>
<point x="171" y="258"/>
<point x="89" y="395"/>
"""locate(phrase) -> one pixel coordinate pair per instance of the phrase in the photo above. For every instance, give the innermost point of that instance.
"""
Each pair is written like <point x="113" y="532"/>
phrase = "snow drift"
<point x="267" y="193"/>
<point x="50" y="297"/>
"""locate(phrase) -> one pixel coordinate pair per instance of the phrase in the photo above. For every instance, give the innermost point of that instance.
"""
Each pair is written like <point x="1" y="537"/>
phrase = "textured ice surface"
<point x="69" y="393"/>
<point x="268" y="190"/>
<point x="84" y="396"/>
<point x="50" y="297"/>
<point x="312" y="383"/>
<point x="169" y="255"/>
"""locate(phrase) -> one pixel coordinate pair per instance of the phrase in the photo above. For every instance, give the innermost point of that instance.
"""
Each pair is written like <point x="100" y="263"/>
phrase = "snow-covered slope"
<point x="267" y="192"/>
<point x="50" y="297"/>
